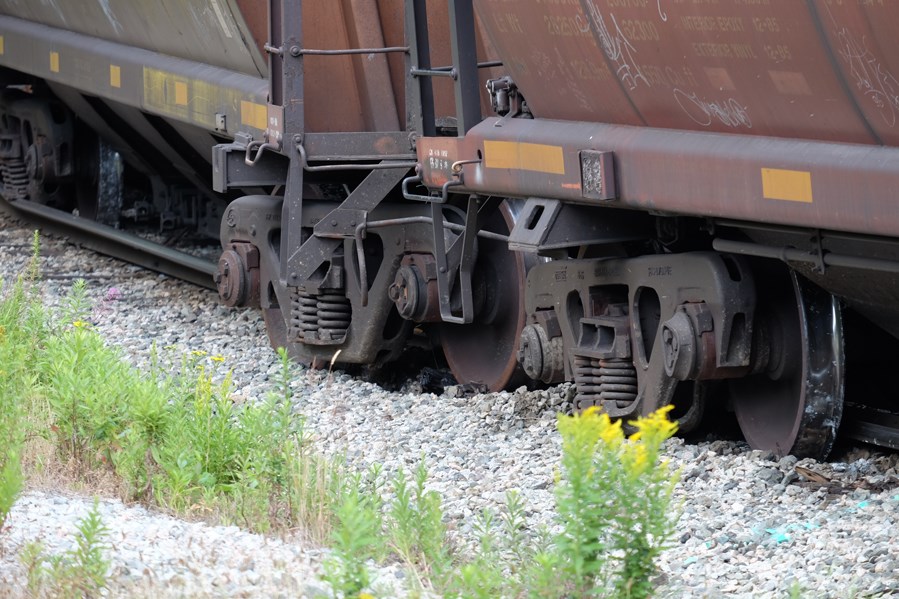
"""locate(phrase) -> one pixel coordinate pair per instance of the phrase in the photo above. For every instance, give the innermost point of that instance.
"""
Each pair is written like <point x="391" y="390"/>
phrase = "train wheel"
<point x="485" y="351"/>
<point x="795" y="406"/>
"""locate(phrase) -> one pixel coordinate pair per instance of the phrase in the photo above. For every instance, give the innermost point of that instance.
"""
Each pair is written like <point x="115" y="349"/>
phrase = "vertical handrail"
<point x="286" y="94"/>
<point x="420" y="116"/>
<point x="465" y="63"/>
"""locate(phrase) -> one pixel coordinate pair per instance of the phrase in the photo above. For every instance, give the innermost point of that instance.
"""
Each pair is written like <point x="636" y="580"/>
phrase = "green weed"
<point x="176" y="438"/>
<point x="22" y="331"/>
<point x="78" y="572"/>
<point x="415" y="527"/>
<point x="356" y="538"/>
<point x="613" y="503"/>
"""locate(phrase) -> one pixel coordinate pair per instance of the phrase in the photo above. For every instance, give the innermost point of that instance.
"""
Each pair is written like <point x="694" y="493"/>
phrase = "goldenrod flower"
<point x="198" y="353"/>
<point x="218" y="358"/>
<point x="611" y="433"/>
<point x="636" y="458"/>
<point x="656" y="427"/>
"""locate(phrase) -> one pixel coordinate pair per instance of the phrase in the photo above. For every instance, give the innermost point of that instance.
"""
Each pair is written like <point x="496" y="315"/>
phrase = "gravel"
<point x="752" y="525"/>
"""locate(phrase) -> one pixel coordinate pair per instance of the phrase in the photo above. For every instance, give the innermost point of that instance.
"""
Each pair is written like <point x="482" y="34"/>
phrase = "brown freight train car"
<point x="664" y="201"/>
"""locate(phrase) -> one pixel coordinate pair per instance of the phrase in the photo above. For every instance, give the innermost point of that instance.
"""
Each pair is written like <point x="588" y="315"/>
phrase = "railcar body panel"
<point x="207" y="31"/>
<point x="188" y="60"/>
<point x="787" y="68"/>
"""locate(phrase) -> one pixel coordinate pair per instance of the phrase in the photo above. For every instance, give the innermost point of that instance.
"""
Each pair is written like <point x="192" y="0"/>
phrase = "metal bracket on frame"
<point x="462" y="255"/>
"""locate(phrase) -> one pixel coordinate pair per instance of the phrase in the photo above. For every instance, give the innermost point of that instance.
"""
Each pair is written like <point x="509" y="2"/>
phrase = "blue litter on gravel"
<point x="778" y="535"/>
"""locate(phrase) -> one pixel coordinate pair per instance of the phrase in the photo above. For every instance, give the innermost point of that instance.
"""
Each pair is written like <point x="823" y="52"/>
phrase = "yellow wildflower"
<point x="636" y="458"/>
<point x="656" y="427"/>
<point x="218" y="358"/>
<point x="198" y="353"/>
<point x="366" y="596"/>
<point x="611" y="432"/>
<point x="79" y="324"/>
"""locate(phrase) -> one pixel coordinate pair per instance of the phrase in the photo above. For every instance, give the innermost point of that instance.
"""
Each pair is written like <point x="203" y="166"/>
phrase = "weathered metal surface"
<point x="207" y="31"/>
<point x="114" y="242"/>
<point x="814" y="70"/>
<point x="486" y="351"/>
<point x="174" y="88"/>
<point x="795" y="405"/>
<point x="226" y="39"/>
<point x="367" y="92"/>
<point x="880" y="427"/>
<point x="842" y="187"/>
<point x="644" y="294"/>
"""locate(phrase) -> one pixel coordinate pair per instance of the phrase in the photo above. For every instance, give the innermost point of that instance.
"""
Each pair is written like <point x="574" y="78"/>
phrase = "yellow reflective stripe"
<point x="792" y="186"/>
<point x="54" y="62"/>
<point x="253" y="115"/>
<point x="181" y="93"/>
<point x="115" y="75"/>
<point x="540" y="158"/>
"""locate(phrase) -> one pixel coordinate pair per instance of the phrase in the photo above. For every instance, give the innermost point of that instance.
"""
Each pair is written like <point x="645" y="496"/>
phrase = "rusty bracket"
<point x="259" y="147"/>
<point x="341" y="223"/>
<point x="818" y="253"/>
<point x="546" y="225"/>
<point x="462" y="255"/>
<point x="231" y="171"/>
<point x="444" y="191"/>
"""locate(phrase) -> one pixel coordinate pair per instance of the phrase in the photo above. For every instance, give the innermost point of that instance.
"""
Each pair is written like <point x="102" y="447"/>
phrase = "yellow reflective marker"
<point x="539" y="158"/>
<point x="54" y="62"/>
<point x="792" y="186"/>
<point x="115" y="75"/>
<point x="181" y="93"/>
<point x="2" y="47"/>
<point x="254" y="115"/>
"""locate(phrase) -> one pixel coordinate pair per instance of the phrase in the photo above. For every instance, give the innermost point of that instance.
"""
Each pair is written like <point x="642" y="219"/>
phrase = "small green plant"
<point x="613" y="503"/>
<point x="11" y="480"/>
<point x="416" y="529"/>
<point x="11" y="430"/>
<point x="356" y="539"/>
<point x="78" y="572"/>
<point x="22" y="331"/>
<point x="795" y="590"/>
<point x="75" y="306"/>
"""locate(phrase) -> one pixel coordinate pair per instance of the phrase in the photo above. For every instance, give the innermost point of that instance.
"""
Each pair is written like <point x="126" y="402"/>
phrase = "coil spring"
<point x="604" y="380"/>
<point x="320" y="318"/>
<point x="15" y="179"/>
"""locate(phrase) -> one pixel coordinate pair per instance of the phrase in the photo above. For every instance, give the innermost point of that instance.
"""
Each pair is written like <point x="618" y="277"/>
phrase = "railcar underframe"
<point x="647" y="264"/>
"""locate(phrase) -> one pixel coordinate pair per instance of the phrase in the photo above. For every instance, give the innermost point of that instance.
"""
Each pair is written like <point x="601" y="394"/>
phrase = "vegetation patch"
<point x="173" y="436"/>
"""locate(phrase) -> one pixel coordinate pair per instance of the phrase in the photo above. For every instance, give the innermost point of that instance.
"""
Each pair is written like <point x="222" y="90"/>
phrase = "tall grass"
<point x="174" y="437"/>
<point x="22" y="332"/>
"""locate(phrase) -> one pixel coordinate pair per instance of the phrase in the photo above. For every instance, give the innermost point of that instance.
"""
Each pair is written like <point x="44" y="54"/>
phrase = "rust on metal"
<point x="690" y="173"/>
<point x="817" y="70"/>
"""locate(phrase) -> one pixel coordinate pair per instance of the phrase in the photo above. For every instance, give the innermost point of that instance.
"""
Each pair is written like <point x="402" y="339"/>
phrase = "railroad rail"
<point x="114" y="242"/>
